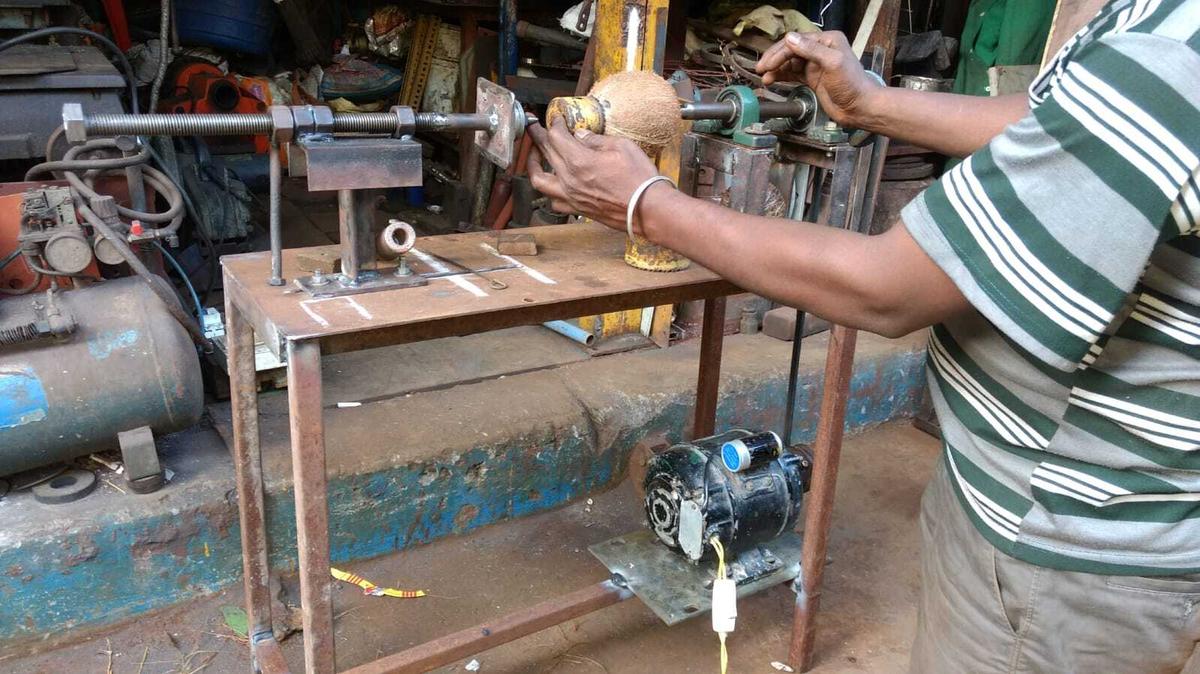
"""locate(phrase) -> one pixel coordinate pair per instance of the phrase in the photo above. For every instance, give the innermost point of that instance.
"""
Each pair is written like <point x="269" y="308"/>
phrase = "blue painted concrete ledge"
<point x="404" y="471"/>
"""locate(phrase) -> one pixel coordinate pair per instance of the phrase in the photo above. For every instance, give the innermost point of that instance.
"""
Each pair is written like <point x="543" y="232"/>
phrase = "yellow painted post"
<point x="631" y="35"/>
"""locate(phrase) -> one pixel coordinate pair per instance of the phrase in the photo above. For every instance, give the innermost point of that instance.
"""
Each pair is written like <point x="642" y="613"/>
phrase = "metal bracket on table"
<point x="675" y="589"/>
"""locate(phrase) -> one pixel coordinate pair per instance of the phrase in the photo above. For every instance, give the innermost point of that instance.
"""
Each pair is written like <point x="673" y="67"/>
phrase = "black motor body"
<point x="691" y="496"/>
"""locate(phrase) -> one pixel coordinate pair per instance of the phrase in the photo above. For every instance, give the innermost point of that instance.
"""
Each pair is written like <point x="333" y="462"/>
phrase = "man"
<point x="1059" y="266"/>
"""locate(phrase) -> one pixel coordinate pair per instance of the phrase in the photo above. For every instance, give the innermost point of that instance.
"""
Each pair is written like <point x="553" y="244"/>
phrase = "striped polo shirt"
<point x="1070" y="397"/>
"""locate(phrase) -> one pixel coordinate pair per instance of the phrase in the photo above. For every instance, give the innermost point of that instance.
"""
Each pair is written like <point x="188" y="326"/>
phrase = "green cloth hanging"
<point x="1000" y="32"/>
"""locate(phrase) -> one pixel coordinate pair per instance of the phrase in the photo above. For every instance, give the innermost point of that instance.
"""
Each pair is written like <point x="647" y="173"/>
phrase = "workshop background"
<point x="120" y="540"/>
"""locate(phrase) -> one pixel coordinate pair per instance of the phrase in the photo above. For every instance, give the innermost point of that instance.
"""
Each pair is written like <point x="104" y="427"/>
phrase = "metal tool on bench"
<point x="350" y="152"/>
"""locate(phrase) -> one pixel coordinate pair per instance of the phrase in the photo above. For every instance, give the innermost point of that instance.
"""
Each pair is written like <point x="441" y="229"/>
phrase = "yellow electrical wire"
<point x="716" y="543"/>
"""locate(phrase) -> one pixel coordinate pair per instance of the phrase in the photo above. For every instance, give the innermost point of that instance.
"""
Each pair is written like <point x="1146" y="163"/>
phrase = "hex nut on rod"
<point x="283" y="124"/>
<point x="406" y="120"/>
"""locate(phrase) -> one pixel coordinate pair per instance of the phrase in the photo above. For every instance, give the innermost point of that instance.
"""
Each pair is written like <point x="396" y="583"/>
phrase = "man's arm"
<point x="951" y="124"/>
<point x="884" y="284"/>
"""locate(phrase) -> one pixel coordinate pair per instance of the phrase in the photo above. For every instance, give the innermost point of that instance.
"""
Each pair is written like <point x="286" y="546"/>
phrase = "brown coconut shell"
<point x="641" y="106"/>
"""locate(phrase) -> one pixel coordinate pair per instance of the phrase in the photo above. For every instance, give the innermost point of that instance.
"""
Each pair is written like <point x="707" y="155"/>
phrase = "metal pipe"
<point x="549" y="36"/>
<point x="571" y="331"/>
<point x="276" y="229"/>
<point x="260" y="124"/>
<point x="452" y="647"/>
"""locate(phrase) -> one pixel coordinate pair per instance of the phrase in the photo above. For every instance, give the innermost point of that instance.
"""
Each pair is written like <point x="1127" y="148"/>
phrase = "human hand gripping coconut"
<point x="602" y="147"/>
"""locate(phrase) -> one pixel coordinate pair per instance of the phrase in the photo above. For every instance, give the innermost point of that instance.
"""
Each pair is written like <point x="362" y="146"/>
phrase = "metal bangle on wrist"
<point x="637" y="196"/>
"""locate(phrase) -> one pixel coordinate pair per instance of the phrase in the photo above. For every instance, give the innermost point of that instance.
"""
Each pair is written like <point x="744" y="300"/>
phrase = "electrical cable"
<point x="184" y="277"/>
<point x="105" y="42"/>
<point x="194" y="214"/>
<point x="9" y="259"/>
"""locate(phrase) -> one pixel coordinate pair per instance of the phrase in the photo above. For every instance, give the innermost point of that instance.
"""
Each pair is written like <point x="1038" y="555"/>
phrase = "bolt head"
<point x="757" y="129"/>
<point x="73" y="123"/>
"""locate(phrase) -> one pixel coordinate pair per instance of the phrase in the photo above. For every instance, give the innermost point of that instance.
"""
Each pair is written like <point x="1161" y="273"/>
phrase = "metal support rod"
<point x="712" y="336"/>
<point x="312" y="504"/>
<point x="789" y="408"/>
<point x="452" y="647"/>
<point x="247" y="462"/>
<point x="276" y="228"/>
<point x="827" y="449"/>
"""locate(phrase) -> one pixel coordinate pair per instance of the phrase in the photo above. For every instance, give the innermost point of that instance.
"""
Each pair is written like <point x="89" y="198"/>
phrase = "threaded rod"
<point x="260" y="124"/>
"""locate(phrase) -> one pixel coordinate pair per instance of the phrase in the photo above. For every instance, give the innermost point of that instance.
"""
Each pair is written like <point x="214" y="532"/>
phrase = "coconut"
<point x="641" y="106"/>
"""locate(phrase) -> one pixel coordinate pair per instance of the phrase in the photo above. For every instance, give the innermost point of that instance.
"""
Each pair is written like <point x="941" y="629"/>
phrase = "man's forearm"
<point x="952" y="124"/>
<point x="851" y="279"/>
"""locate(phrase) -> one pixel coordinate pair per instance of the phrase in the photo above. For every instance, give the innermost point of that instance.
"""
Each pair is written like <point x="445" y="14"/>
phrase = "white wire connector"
<point x="724" y="605"/>
<point x="724" y="602"/>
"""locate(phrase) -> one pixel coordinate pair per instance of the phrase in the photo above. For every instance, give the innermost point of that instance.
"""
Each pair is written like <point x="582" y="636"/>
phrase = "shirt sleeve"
<point x="1047" y="230"/>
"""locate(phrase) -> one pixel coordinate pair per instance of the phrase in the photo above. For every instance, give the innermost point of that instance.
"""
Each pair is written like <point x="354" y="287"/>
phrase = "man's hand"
<point x="593" y="175"/>
<point x="824" y="62"/>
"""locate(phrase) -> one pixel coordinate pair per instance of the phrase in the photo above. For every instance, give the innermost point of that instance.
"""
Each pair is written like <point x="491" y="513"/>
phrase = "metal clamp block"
<point x="74" y="126"/>
<point x="283" y="124"/>
<point x="406" y="121"/>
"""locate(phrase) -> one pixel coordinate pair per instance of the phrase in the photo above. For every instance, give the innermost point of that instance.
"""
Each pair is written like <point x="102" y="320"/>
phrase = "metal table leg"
<point x="312" y="506"/>
<point x="827" y="449"/>
<point x="247" y="460"/>
<point x="712" y="336"/>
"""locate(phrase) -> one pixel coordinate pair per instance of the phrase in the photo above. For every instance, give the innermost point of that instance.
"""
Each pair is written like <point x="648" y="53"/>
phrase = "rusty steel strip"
<point x="712" y="336"/>
<point x="312" y="506"/>
<point x="247" y="461"/>
<point x="453" y="647"/>
<point x="827" y="449"/>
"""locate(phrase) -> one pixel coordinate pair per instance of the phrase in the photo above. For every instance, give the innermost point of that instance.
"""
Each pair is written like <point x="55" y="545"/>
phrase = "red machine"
<point x="201" y="87"/>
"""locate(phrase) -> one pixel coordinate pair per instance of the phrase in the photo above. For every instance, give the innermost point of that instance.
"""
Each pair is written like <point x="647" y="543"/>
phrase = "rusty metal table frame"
<point x="309" y="474"/>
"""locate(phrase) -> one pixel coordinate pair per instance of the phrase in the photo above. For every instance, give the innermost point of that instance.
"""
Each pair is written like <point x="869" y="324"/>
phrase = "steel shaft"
<point x="727" y="111"/>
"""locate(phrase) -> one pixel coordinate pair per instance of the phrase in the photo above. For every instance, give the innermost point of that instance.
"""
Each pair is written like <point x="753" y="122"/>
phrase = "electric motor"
<point x="739" y="486"/>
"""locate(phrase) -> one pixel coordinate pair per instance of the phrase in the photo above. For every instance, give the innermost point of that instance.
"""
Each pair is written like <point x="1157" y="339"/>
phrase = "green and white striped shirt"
<point x="1070" y="399"/>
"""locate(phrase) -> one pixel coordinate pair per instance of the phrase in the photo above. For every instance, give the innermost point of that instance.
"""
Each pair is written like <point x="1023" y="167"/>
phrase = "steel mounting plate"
<point x="336" y="285"/>
<point x="674" y="588"/>
<point x="508" y="122"/>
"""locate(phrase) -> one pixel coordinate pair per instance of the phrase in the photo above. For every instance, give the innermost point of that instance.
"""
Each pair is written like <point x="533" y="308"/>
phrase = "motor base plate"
<point x="676" y="589"/>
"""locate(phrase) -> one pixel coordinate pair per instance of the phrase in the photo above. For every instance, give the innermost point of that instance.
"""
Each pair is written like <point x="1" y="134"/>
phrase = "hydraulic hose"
<point x="156" y="283"/>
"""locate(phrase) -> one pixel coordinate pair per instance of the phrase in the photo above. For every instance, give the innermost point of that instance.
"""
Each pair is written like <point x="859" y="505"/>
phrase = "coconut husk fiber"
<point x="641" y="106"/>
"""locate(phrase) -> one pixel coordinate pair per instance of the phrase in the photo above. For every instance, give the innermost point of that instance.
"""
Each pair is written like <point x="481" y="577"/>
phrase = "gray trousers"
<point x="982" y="611"/>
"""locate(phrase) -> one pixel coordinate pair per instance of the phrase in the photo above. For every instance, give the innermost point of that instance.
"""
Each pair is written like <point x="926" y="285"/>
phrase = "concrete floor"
<point x="866" y="623"/>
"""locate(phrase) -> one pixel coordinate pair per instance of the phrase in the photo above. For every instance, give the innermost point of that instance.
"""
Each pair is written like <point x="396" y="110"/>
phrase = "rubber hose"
<point x="164" y="48"/>
<point x="86" y="164"/>
<point x="156" y="283"/>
